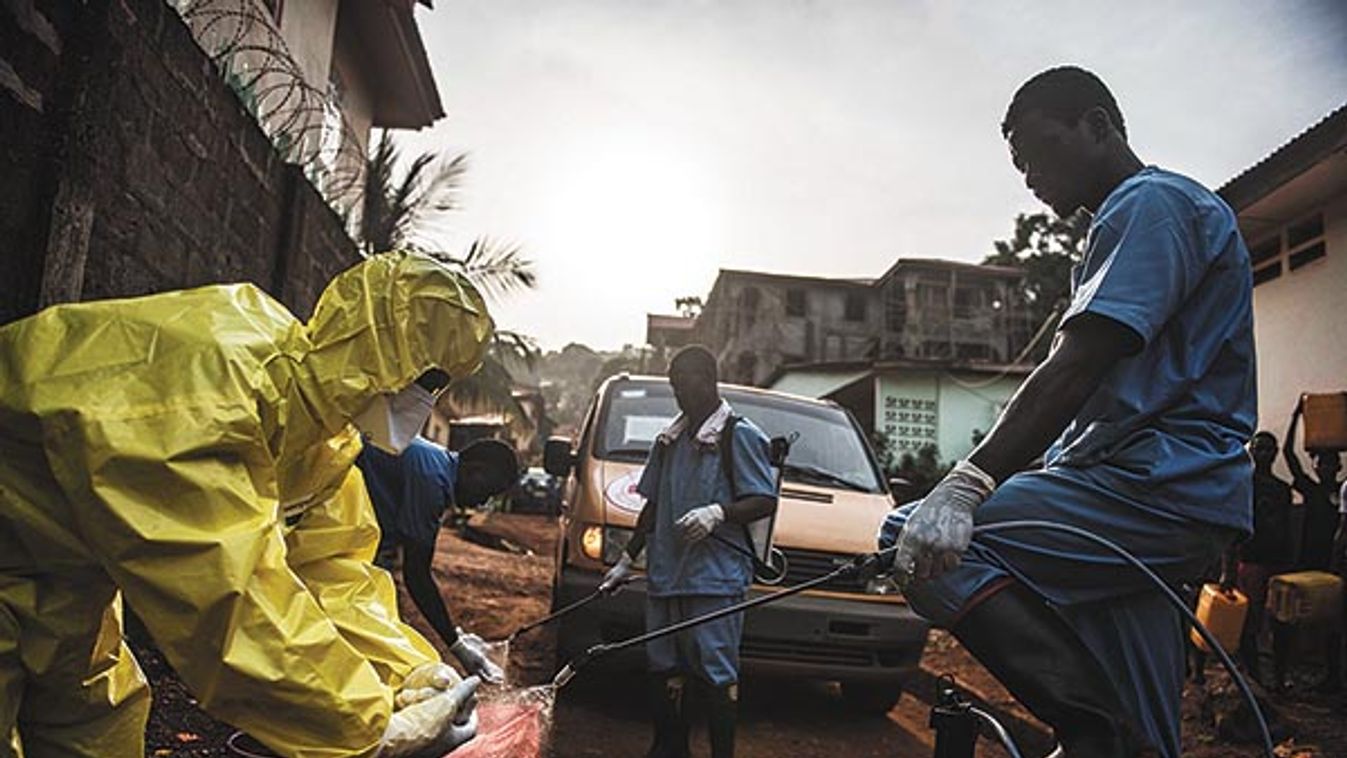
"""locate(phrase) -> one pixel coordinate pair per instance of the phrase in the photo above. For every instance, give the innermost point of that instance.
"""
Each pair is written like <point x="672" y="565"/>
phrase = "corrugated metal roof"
<point x="1286" y="162"/>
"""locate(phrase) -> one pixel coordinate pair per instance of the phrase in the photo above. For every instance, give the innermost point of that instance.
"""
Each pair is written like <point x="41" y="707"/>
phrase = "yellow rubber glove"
<point x="426" y="681"/>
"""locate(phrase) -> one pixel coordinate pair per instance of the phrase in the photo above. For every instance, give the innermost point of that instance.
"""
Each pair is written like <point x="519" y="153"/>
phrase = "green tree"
<point x="1045" y="247"/>
<point x="689" y="306"/>
<point x="409" y="207"/>
<point x="921" y="472"/>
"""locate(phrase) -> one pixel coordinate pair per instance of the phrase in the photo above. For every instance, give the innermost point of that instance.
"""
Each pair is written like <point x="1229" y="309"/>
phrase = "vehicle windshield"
<point x="829" y="450"/>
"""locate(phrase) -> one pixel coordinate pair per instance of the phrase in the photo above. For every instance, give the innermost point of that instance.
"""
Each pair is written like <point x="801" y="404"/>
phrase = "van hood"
<point x="809" y="517"/>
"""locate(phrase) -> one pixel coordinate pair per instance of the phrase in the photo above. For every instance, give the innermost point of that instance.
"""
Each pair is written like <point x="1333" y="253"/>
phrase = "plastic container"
<point x="1305" y="597"/>
<point x="1222" y="613"/>
<point x="1325" y="421"/>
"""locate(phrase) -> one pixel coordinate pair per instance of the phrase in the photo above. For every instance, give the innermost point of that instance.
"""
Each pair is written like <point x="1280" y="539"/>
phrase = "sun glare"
<point x="636" y="205"/>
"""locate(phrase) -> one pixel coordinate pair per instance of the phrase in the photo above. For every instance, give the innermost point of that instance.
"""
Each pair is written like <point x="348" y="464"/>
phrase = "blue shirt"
<point x="684" y="475"/>
<point x="409" y="491"/>
<point x="1167" y="427"/>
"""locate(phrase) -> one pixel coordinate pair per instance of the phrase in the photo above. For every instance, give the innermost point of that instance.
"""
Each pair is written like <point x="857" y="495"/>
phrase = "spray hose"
<point x="873" y="561"/>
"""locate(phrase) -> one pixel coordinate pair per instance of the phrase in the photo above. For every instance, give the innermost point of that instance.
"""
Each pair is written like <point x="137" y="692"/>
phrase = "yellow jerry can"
<point x="1222" y="613"/>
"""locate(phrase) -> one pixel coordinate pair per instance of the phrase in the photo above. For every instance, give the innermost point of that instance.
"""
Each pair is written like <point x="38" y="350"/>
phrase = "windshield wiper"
<point x="628" y="452"/>
<point x="822" y="475"/>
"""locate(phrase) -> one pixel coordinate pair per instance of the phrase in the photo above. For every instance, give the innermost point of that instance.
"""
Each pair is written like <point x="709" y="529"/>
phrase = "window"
<point x="855" y="307"/>
<point x="1267" y="273"/>
<point x="1310" y="229"/>
<point x="1306" y="254"/>
<point x="929" y="294"/>
<point x="748" y="307"/>
<point x="895" y="306"/>
<point x="1296" y="245"/>
<point x="795" y="303"/>
<point x="967" y="301"/>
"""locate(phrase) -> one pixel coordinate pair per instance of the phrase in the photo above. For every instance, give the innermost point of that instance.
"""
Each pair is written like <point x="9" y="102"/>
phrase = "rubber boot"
<point x="722" y="712"/>
<point x="1248" y="654"/>
<point x="671" y="726"/>
<point x="1332" y="684"/>
<point x="1043" y="662"/>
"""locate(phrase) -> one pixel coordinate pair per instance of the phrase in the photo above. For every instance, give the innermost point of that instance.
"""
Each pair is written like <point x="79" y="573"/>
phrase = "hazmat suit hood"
<point x="381" y="324"/>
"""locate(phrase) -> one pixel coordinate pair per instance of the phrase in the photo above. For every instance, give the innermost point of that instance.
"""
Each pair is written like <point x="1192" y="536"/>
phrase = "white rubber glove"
<point x="470" y="650"/>
<point x="433" y="726"/>
<point x="619" y="574"/>
<point x="698" y="523"/>
<point x="941" y="526"/>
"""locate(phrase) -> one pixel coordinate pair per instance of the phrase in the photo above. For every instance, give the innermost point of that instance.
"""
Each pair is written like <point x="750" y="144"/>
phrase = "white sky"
<point x="634" y="147"/>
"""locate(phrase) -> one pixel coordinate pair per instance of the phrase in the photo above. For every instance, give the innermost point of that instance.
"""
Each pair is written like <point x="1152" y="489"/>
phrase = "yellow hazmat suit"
<point x="191" y="452"/>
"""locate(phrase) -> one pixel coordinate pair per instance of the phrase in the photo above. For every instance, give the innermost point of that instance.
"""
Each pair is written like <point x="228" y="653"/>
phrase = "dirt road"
<point x="602" y="714"/>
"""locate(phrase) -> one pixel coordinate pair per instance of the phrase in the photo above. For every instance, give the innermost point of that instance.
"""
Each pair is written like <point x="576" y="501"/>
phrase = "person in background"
<point x="697" y="549"/>
<point x="1322" y="499"/>
<point x="411" y="492"/>
<point x="1320" y="496"/>
<point x="1270" y="550"/>
<point x="1339" y="567"/>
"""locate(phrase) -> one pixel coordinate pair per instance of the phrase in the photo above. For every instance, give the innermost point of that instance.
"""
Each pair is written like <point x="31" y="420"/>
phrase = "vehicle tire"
<point x="871" y="698"/>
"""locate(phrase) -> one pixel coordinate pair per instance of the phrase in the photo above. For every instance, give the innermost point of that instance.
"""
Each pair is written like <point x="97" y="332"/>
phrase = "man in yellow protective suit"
<point x="192" y="452"/>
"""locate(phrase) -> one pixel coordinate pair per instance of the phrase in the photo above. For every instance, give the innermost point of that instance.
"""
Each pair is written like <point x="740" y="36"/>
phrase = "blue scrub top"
<point x="684" y="475"/>
<point x="410" y="491"/>
<point x="1166" y="429"/>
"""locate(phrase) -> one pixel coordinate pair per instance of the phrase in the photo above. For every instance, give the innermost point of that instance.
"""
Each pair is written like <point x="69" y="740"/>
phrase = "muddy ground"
<point x="493" y="591"/>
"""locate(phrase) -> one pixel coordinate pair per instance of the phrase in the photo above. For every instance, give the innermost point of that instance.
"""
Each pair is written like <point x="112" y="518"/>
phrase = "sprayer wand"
<point x="853" y="567"/>
<point x="575" y="606"/>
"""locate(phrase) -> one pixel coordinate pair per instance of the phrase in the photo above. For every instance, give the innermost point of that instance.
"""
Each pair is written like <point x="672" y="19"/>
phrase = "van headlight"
<point x="592" y="542"/>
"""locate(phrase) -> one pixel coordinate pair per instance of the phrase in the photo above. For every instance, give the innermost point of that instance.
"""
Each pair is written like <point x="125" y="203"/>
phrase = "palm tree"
<point x="410" y="210"/>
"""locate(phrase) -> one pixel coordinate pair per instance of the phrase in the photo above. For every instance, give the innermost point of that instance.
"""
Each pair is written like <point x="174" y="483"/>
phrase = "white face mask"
<point x="391" y="421"/>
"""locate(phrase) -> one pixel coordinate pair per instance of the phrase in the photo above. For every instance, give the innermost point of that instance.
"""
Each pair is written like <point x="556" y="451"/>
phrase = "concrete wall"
<point x="308" y="28"/>
<point x="1301" y="330"/>
<point x="917" y="407"/>
<point x="150" y="175"/>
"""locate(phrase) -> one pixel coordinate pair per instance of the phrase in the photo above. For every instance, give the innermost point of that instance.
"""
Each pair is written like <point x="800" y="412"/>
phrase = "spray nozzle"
<point x="566" y="674"/>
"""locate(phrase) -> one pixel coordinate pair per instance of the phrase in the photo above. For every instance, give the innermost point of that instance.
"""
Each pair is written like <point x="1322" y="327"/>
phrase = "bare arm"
<point x="1087" y="349"/>
<point x="416" y="561"/>
<point x="749" y="509"/>
<point x="1299" y="479"/>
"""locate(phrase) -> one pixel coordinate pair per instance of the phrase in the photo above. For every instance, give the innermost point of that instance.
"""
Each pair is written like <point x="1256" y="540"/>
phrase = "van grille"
<point x="805" y="565"/>
<point x="805" y="652"/>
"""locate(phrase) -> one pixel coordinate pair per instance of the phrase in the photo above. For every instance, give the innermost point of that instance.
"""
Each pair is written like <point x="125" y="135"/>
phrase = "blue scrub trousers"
<point x="1127" y="622"/>
<point x="709" y="651"/>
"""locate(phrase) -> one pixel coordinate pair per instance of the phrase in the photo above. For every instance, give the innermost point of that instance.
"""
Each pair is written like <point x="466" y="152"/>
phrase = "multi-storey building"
<point x="919" y="309"/>
<point x="755" y="322"/>
<point x="925" y="356"/>
<point x="943" y="310"/>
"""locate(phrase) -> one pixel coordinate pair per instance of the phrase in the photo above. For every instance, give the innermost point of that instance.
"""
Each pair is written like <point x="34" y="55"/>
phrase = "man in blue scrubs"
<point x="410" y="492"/>
<point x="689" y="499"/>
<point x="1140" y="411"/>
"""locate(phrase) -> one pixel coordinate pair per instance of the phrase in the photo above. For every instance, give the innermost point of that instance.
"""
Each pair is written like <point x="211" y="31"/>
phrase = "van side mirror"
<point x="902" y="490"/>
<point x="557" y="457"/>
